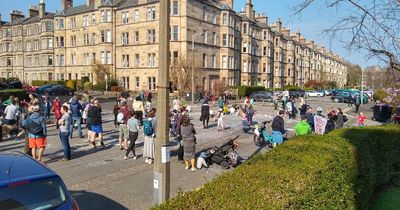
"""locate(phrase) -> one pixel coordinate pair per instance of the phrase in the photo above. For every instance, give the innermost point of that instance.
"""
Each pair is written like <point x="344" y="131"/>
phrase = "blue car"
<point x="27" y="184"/>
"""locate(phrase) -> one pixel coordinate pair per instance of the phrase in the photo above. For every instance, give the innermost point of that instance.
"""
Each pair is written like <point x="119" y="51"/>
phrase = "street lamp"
<point x="193" y="85"/>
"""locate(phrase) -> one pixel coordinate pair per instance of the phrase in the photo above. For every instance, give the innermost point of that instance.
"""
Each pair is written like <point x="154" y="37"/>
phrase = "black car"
<point x="296" y="93"/>
<point x="262" y="95"/>
<point x="60" y="90"/>
<point x="15" y="84"/>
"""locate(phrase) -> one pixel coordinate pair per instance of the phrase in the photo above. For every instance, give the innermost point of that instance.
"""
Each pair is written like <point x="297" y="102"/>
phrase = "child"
<point x="361" y="119"/>
<point x="220" y="125"/>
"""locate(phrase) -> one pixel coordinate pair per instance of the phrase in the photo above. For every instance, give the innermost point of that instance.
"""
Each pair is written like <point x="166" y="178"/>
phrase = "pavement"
<point x="99" y="178"/>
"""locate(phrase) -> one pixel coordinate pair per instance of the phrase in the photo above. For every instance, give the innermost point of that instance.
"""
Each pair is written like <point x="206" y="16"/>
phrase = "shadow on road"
<point x="90" y="200"/>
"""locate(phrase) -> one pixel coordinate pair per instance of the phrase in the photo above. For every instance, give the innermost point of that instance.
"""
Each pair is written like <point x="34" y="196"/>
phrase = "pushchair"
<point x="225" y="155"/>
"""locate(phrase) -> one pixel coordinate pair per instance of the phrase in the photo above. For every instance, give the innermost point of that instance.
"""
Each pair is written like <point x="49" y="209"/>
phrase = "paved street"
<point x="102" y="179"/>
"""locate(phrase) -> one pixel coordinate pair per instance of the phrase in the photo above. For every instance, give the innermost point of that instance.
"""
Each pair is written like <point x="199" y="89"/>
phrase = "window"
<point x="245" y="47"/>
<point x="108" y="13"/>
<point x="61" y="41"/>
<point x="93" y="38"/>
<point x="60" y="24"/>
<point x="214" y="18"/>
<point x="245" y="28"/>
<point x="137" y="60"/>
<point x="85" y="21"/>
<point x="264" y="51"/>
<point x="151" y="60"/>
<point x="125" y="38"/>
<point x="73" y="41"/>
<point x="93" y="19"/>
<point x="245" y="66"/>
<point x="73" y="59"/>
<point x="204" y="60"/>
<point x="125" y="82"/>
<point x="86" y="59"/>
<point x="205" y="13"/>
<point x="125" y="61"/>
<point x="108" y="57"/>
<point x="62" y="60"/>
<point x="224" y="62"/>
<point x="175" y="33"/>
<point x="136" y="37"/>
<point x="151" y="13"/>
<point x="102" y="57"/>
<point x="224" y="40"/>
<point x="214" y="38"/>
<point x="175" y="8"/>
<point x="50" y="43"/>
<point x="73" y="23"/>
<point x="264" y="67"/>
<point x="225" y="19"/>
<point x="151" y="36"/>
<point x="137" y="83"/>
<point x="151" y="83"/>
<point x="205" y="37"/>
<point x="106" y="36"/>
<point x="108" y="33"/>
<point x="50" y="60"/>
<point x="125" y="17"/>
<point x="214" y="61"/>
<point x="136" y="15"/>
<point x="86" y="39"/>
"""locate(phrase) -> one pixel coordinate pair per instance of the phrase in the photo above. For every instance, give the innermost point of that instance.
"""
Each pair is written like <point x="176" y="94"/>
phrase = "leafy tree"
<point x="353" y="75"/>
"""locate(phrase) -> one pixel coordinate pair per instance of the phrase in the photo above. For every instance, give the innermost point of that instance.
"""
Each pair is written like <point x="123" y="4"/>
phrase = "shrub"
<point x="247" y="90"/>
<point x="58" y="82"/>
<point x="292" y="87"/>
<point x="380" y="94"/>
<point x="84" y="80"/>
<point x="341" y="170"/>
<point x="71" y="84"/>
<point x="21" y="94"/>
<point x="88" y="86"/>
<point x="39" y="82"/>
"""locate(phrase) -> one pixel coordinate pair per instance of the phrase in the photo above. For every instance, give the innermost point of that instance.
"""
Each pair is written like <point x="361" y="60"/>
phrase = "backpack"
<point x="120" y="118"/>
<point x="148" y="128"/>
<point x="33" y="127"/>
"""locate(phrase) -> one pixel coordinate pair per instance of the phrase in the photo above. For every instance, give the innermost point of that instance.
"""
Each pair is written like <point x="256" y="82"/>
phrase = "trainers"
<point x="147" y="160"/>
<point x="150" y="161"/>
<point x="125" y="157"/>
<point x="187" y="167"/>
<point x="102" y="144"/>
<point x="194" y="169"/>
<point x="135" y="157"/>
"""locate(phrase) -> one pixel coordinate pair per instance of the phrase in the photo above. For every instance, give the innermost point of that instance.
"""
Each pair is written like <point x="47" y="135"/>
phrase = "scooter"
<point x="261" y="136"/>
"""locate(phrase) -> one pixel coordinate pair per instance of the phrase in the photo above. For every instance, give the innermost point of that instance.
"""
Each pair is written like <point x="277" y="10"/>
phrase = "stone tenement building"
<point x="239" y="48"/>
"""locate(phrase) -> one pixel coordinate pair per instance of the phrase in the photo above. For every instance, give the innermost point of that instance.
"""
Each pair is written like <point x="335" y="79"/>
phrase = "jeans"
<point x="139" y="117"/>
<point x="64" y="137"/>
<point x="71" y="128"/>
<point x="132" y="138"/>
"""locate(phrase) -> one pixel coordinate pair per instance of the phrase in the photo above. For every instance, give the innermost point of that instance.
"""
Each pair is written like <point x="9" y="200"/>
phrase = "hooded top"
<point x="39" y="119"/>
<point x="76" y="108"/>
<point x="302" y="128"/>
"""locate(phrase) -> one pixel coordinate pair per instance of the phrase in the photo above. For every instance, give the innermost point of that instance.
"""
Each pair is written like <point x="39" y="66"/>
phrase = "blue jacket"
<point x="76" y="108"/>
<point x="39" y="119"/>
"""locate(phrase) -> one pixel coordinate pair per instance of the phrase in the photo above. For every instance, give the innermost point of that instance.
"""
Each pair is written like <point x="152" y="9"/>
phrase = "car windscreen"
<point x="37" y="195"/>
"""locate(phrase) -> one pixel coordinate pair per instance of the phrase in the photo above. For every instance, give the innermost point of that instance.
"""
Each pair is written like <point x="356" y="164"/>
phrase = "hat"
<point x="35" y="108"/>
<point x="319" y="109"/>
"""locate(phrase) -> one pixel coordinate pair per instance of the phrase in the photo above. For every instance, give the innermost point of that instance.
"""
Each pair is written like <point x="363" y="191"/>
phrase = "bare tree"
<point x="181" y="74"/>
<point x="220" y="87"/>
<point x="373" y="27"/>
<point x="100" y="71"/>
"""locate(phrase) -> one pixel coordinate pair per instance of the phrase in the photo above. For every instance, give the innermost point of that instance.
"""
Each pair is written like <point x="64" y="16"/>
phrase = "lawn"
<point x="388" y="200"/>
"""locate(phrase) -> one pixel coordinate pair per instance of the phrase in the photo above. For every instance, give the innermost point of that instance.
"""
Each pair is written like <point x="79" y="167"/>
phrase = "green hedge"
<point x="44" y="82"/>
<point x="247" y="90"/>
<point x="21" y="94"/>
<point x="341" y="170"/>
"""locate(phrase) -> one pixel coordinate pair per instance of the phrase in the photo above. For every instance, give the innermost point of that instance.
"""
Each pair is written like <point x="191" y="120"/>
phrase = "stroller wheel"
<point x="225" y="165"/>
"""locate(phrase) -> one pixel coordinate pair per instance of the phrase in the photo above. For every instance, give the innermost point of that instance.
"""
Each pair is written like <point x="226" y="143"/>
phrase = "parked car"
<point x="29" y="88"/>
<point x="60" y="90"/>
<point x="15" y="84"/>
<point x="313" y="94"/>
<point x="43" y="88"/>
<point x="28" y="184"/>
<point x="262" y="95"/>
<point x="321" y="91"/>
<point x="328" y="92"/>
<point x="3" y="85"/>
<point x="342" y="97"/>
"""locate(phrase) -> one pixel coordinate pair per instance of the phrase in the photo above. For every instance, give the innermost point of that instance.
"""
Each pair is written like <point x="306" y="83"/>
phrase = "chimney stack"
<point x="298" y="35"/>
<point x="42" y="9"/>
<point x="230" y="3"/>
<point x="15" y="15"/>
<point x="65" y="4"/>
<point x="249" y="10"/>
<point x="262" y="18"/>
<point x="90" y="3"/>
<point x="33" y="11"/>
<point x="279" y="24"/>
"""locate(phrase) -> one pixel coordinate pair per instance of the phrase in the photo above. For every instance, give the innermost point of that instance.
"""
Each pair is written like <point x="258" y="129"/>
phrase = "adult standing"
<point x="220" y="103"/>
<point x="95" y="122"/>
<point x="76" y="111"/>
<point x="11" y="116"/>
<point x="340" y="118"/>
<point x="139" y="109"/>
<point x="278" y="128"/>
<point x="175" y="103"/>
<point x="34" y="101"/>
<point x="123" y="116"/>
<point x="35" y="124"/>
<point x="46" y="107"/>
<point x="189" y="143"/>
<point x="57" y="110"/>
<point x="205" y="114"/>
<point x="181" y="116"/>
<point x="357" y="102"/>
<point x="149" y="130"/>
<point x="133" y="127"/>
<point x="65" y="124"/>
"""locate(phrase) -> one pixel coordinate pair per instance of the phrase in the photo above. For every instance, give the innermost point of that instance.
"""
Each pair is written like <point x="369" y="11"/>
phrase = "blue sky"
<point x="311" y="23"/>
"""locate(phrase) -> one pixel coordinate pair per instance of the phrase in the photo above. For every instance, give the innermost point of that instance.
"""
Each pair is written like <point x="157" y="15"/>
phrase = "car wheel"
<point x="318" y="95"/>
<point x="336" y="100"/>
<point x="70" y="93"/>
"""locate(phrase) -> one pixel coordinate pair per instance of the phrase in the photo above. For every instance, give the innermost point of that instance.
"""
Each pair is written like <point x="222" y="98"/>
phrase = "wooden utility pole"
<point x="161" y="182"/>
